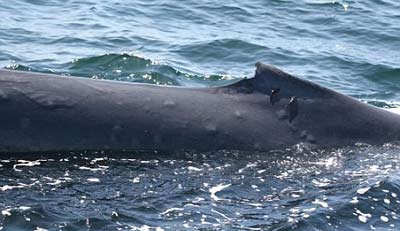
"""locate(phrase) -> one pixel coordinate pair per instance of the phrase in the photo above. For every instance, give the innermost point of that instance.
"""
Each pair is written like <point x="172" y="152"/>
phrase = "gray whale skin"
<point x="273" y="110"/>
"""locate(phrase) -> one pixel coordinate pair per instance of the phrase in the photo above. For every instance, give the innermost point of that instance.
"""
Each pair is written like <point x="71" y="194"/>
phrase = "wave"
<point x="130" y="68"/>
<point x="389" y="76"/>
<point x="232" y="56"/>
<point x="229" y="50"/>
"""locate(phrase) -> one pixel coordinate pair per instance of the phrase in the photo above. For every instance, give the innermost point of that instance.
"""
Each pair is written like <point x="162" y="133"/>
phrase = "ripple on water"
<point x="293" y="189"/>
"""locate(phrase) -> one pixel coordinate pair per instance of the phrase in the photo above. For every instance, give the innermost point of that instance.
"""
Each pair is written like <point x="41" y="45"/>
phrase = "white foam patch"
<point x="93" y="180"/>
<point x="216" y="189"/>
<point x="394" y="110"/>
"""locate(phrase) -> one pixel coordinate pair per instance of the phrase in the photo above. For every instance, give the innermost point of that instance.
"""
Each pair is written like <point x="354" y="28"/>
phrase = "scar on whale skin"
<point x="274" y="97"/>
<point x="292" y="108"/>
<point x="47" y="100"/>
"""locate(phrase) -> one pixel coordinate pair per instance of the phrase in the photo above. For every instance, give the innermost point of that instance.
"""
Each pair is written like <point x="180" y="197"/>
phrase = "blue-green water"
<point x="350" y="46"/>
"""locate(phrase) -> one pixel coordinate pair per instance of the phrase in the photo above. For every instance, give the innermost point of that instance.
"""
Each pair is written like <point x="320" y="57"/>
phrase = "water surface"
<point x="349" y="46"/>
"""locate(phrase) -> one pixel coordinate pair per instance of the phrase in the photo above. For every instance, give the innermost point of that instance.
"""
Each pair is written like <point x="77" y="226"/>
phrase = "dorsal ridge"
<point x="268" y="78"/>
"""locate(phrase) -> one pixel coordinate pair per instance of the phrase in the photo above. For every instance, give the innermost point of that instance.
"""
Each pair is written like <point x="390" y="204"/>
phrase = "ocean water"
<point x="350" y="46"/>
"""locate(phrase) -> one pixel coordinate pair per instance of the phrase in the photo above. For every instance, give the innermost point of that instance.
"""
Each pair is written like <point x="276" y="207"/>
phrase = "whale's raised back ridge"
<point x="268" y="78"/>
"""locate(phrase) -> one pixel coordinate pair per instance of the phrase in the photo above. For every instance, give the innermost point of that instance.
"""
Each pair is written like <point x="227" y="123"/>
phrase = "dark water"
<point x="343" y="189"/>
<point x="350" y="46"/>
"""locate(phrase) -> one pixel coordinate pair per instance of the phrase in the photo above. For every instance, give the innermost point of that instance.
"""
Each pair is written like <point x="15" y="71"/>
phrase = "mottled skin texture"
<point x="42" y="113"/>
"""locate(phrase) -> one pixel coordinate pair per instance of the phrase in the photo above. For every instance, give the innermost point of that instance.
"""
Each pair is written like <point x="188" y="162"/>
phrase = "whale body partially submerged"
<point x="272" y="110"/>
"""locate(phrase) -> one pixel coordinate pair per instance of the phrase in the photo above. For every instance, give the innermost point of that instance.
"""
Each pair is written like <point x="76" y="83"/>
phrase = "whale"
<point x="272" y="110"/>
